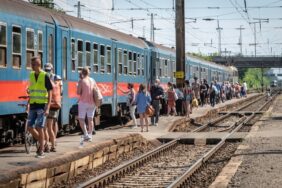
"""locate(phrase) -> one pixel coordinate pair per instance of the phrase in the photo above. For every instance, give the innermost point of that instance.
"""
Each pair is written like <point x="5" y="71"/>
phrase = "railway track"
<point x="229" y="121"/>
<point x="170" y="165"/>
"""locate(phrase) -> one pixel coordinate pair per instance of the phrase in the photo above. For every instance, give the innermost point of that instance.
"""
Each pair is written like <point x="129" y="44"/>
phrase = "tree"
<point x="44" y="3"/>
<point x="253" y="77"/>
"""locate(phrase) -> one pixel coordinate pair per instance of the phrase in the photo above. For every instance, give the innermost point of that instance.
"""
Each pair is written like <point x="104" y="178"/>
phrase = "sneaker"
<point x="46" y="148"/>
<point x="134" y="126"/>
<point x="86" y="138"/>
<point x="90" y="138"/>
<point x="53" y="149"/>
<point x="156" y="124"/>
<point x="40" y="154"/>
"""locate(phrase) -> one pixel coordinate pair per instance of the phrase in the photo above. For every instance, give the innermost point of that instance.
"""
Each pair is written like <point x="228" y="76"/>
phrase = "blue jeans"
<point x="36" y="118"/>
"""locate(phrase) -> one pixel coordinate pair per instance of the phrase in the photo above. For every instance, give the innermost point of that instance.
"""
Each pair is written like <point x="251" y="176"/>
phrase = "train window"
<point x="79" y="54"/>
<point x="88" y="55"/>
<point x="29" y="47"/>
<point x="139" y="65"/>
<point x="109" y="58"/>
<point x="3" y="45"/>
<point x="95" y="49"/>
<point x="130" y="63"/>
<point x="17" y="48"/>
<point x="73" y="54"/>
<point x="102" y="58"/>
<point x="143" y="64"/>
<point x="160" y="67"/>
<point x="50" y="49"/>
<point x="64" y="57"/>
<point x="119" y="61"/>
<point x="125" y="62"/>
<point x="40" y="44"/>
<point x="166" y="68"/>
<point x="134" y="64"/>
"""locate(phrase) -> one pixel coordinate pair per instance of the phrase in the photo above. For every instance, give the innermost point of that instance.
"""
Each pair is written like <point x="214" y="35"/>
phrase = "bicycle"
<point x="29" y="140"/>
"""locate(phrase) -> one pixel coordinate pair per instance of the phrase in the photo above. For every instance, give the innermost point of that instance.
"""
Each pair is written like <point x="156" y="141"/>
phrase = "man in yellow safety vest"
<point x="39" y="103"/>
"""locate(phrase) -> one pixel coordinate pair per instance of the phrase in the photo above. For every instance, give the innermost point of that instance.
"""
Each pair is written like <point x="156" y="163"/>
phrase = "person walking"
<point x="143" y="100"/>
<point x="171" y="98"/>
<point x="52" y="119"/>
<point x="188" y="93"/>
<point x="157" y="93"/>
<point x="86" y="103"/>
<point x="131" y="102"/>
<point x="179" y="100"/>
<point x="207" y="91"/>
<point x="203" y="91"/>
<point x="196" y="88"/>
<point x="213" y="93"/>
<point x="245" y="88"/>
<point x="40" y="96"/>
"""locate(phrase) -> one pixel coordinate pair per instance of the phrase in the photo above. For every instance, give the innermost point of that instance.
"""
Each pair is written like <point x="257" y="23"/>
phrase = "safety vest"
<point x="37" y="90"/>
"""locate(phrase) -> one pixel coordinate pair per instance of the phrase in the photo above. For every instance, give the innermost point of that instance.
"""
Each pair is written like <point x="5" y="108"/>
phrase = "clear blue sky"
<point x="201" y="36"/>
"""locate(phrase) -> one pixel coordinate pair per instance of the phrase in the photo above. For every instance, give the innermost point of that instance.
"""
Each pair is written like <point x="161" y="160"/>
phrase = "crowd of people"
<point x="179" y="101"/>
<point x="45" y="92"/>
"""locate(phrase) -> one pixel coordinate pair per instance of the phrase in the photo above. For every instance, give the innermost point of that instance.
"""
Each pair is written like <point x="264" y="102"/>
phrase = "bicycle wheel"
<point x="29" y="141"/>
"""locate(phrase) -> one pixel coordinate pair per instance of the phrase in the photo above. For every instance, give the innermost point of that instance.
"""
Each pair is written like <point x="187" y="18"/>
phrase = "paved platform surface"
<point x="258" y="162"/>
<point x="15" y="160"/>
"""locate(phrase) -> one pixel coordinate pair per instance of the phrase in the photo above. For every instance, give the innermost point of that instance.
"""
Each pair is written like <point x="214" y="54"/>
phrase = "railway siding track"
<point x="154" y="167"/>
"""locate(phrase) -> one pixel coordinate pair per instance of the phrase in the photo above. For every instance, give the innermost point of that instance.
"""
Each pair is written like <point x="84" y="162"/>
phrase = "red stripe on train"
<point x="106" y="88"/>
<point x="11" y="90"/>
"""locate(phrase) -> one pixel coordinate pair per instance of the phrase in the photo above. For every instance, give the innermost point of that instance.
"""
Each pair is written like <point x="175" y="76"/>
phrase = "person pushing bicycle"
<point x="39" y="103"/>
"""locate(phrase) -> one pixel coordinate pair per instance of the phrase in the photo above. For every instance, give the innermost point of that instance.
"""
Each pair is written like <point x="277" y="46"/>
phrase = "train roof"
<point x="28" y="10"/>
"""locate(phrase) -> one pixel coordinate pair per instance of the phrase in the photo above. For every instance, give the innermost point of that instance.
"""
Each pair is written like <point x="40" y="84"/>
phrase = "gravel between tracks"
<point x="225" y="123"/>
<point x="207" y="174"/>
<point x="87" y="174"/>
<point x="163" y="170"/>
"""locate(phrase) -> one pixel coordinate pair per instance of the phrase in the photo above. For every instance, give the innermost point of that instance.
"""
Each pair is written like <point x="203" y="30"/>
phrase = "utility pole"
<point x="180" y="42"/>
<point x="144" y="31"/>
<point x="219" y="38"/>
<point x="79" y="9"/>
<point x="240" y="39"/>
<point x="152" y="37"/>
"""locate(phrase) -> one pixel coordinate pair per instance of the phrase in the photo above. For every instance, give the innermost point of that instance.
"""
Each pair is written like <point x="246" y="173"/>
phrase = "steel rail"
<point x="109" y="176"/>
<point x="225" y="116"/>
<point x="183" y="181"/>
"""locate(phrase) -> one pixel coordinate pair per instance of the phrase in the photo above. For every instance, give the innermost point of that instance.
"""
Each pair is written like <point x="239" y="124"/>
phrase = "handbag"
<point x="97" y="96"/>
<point x="150" y="111"/>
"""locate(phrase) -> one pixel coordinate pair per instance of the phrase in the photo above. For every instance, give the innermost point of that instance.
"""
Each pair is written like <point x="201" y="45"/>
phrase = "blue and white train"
<point x="69" y="43"/>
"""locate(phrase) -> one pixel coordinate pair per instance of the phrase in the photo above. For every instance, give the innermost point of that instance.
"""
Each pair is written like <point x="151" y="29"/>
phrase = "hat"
<point x="48" y="66"/>
<point x="57" y="77"/>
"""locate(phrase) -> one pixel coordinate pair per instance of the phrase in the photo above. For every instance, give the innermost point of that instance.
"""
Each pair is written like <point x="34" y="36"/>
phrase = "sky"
<point x="200" y="35"/>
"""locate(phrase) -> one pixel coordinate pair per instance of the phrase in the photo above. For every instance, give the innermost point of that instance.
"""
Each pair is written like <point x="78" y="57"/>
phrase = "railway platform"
<point x="20" y="169"/>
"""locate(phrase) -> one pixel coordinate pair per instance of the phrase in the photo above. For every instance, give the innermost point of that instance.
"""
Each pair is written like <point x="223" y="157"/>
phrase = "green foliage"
<point x="253" y="77"/>
<point x="202" y="56"/>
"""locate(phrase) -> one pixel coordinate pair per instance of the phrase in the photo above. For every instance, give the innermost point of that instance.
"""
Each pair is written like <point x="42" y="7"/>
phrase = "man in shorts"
<point x="40" y="88"/>
<point x="86" y="104"/>
<point x="52" y="119"/>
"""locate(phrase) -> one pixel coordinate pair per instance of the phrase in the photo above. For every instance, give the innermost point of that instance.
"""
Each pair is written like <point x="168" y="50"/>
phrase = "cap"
<point x="48" y="66"/>
<point x="57" y="77"/>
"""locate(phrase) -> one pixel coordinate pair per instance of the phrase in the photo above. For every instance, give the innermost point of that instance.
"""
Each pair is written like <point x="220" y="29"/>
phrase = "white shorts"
<point x="85" y="109"/>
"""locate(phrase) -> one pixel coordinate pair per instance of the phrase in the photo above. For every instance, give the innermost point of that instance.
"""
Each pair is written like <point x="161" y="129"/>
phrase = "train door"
<point x="115" y="78"/>
<point x="51" y="46"/>
<point x="63" y="58"/>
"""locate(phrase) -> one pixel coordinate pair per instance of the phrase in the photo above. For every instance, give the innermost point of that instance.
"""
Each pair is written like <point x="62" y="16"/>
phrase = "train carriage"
<point x="69" y="43"/>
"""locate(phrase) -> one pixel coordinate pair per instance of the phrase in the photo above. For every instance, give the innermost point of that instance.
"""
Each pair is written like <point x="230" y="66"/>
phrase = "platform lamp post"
<point x="180" y="42"/>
